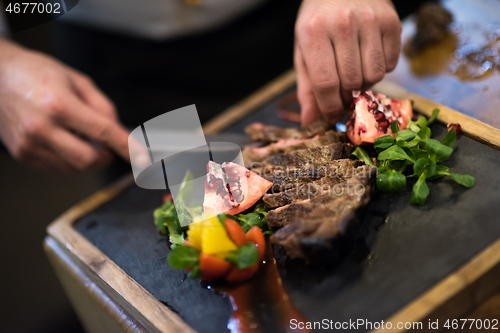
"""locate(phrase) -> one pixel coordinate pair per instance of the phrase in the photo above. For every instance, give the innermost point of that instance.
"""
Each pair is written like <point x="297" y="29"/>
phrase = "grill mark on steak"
<point x="313" y="207"/>
<point x="333" y="184"/>
<point x="303" y="157"/>
<point x="321" y="232"/>
<point x="252" y="155"/>
<point x="314" y="221"/>
<point x="283" y="177"/>
<point x="269" y="133"/>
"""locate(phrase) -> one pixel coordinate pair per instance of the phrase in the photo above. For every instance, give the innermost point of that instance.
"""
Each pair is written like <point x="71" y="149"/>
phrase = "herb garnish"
<point x="413" y="147"/>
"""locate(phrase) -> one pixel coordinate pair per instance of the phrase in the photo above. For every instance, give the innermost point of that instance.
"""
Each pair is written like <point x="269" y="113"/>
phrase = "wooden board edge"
<point x="473" y="128"/>
<point x="77" y="285"/>
<point x="63" y="231"/>
<point x="249" y="104"/>
<point x="457" y="294"/>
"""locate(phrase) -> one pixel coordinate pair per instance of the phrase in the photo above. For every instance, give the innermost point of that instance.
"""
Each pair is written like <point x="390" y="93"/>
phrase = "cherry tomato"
<point x="235" y="232"/>
<point x="238" y="275"/>
<point x="212" y="267"/>
<point x="256" y="236"/>
<point x="187" y="242"/>
<point x="167" y="197"/>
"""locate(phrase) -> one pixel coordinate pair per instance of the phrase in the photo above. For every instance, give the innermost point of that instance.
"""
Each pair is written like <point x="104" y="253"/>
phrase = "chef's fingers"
<point x="92" y="95"/>
<point x="54" y="162"/>
<point x="82" y="119"/>
<point x="391" y="39"/>
<point x="77" y="152"/>
<point x="372" y="55"/>
<point x="309" y="108"/>
<point x="344" y="35"/>
<point x="319" y="58"/>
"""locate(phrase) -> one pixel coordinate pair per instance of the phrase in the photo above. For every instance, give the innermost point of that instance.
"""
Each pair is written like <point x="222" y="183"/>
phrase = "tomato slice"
<point x="212" y="267"/>
<point x="238" y="275"/>
<point x="235" y="232"/>
<point x="256" y="236"/>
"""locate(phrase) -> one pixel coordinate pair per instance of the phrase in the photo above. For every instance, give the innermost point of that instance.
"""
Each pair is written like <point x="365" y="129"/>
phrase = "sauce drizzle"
<point x="260" y="304"/>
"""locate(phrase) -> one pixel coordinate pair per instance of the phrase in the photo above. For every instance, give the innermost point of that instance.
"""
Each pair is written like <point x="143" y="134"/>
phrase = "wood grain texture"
<point x="458" y="294"/>
<point x="96" y="311"/>
<point x="470" y="126"/>
<point x="148" y="311"/>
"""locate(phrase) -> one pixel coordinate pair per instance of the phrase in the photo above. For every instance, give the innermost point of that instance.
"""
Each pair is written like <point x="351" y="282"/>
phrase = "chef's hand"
<point x="53" y="117"/>
<point x="340" y="46"/>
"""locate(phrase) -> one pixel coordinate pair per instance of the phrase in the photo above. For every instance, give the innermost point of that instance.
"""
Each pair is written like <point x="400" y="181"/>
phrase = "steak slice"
<point x="317" y="155"/>
<point x="252" y="155"/>
<point x="324" y="232"/>
<point x="310" y="207"/>
<point x="333" y="184"/>
<point x="286" y="178"/>
<point x="269" y="133"/>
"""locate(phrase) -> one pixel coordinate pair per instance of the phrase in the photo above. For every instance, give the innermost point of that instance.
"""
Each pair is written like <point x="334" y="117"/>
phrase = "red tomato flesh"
<point x="235" y="232"/>
<point x="256" y="236"/>
<point x="212" y="267"/>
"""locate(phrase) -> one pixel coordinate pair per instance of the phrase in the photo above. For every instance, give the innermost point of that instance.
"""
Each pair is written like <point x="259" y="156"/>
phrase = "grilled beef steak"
<point x="359" y="184"/>
<point x="303" y="157"/>
<point x="317" y="190"/>
<point x="333" y="183"/>
<point x="284" y="178"/>
<point x="269" y="133"/>
<point x="323" y="231"/>
<point x="251" y="155"/>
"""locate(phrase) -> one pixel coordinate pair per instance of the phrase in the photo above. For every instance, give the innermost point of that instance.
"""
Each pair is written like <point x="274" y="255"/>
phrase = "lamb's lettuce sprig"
<point x="413" y="148"/>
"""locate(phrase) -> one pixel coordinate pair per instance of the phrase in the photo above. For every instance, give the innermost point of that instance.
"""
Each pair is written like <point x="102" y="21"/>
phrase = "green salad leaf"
<point x="362" y="155"/>
<point x="394" y="127"/>
<point x="183" y="256"/>
<point x="405" y="135"/>
<point x="195" y="272"/>
<point x="413" y="148"/>
<point x="450" y="139"/>
<point x="441" y="171"/>
<point x="424" y="166"/>
<point x="393" y="153"/>
<point x="383" y="142"/>
<point x="256" y="217"/>
<point x="464" y="180"/>
<point x="245" y="256"/>
<point x="432" y="119"/>
<point x="391" y="181"/>
<point x="437" y="151"/>
<point x="420" y="191"/>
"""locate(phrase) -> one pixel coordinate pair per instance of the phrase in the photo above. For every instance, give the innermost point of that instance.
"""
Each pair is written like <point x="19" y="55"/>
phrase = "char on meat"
<point x="303" y="157"/>
<point x="283" y="146"/>
<point x="317" y="193"/>
<point x="282" y="177"/>
<point x="335" y="182"/>
<point x="322" y="232"/>
<point x="269" y="133"/>
<point x="359" y="184"/>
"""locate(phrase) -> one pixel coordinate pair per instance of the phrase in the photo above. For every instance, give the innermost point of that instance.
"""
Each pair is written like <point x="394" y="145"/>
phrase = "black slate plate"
<point x="401" y="251"/>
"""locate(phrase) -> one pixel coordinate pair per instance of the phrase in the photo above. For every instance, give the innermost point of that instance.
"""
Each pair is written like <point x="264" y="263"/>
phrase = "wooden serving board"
<point x="409" y="263"/>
